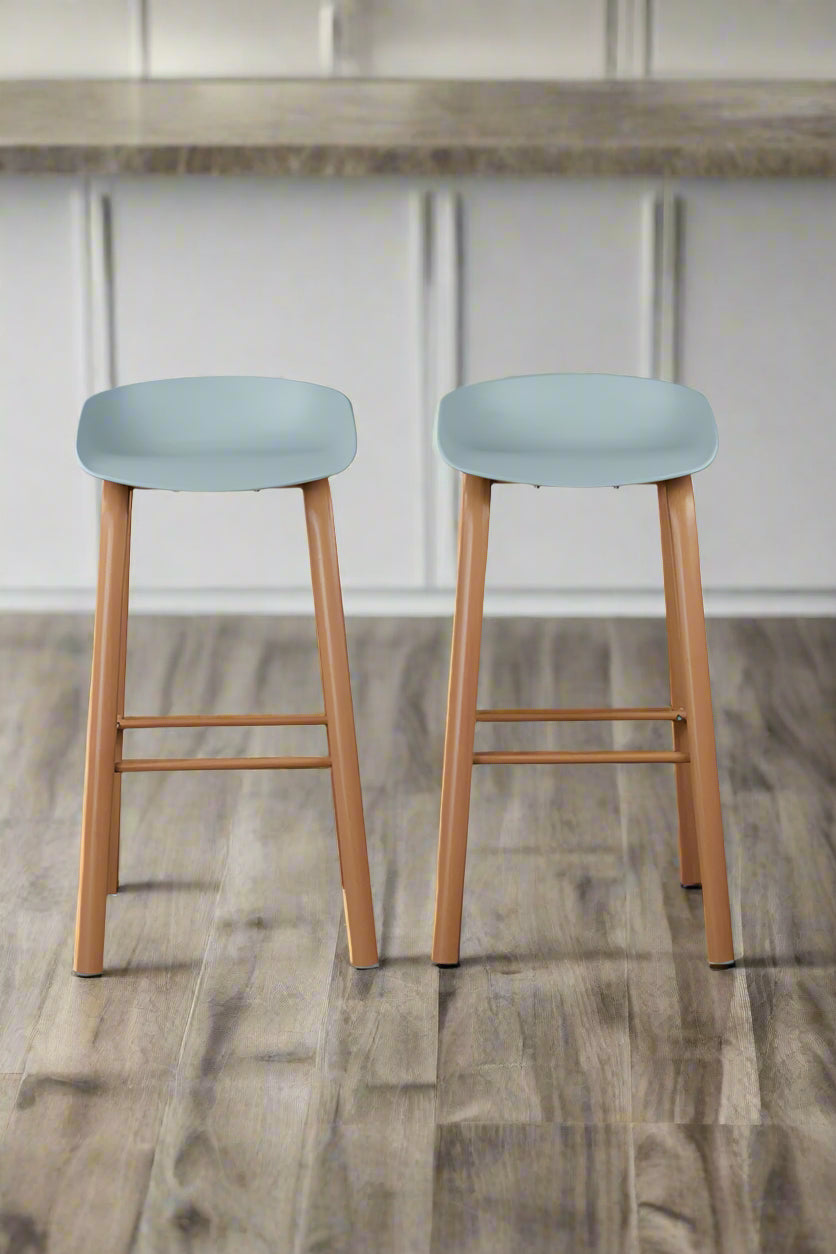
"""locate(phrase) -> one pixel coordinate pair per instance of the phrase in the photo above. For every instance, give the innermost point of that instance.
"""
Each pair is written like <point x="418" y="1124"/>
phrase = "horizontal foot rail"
<point x="561" y="758"/>
<point x="221" y="720"/>
<point x="220" y="764"/>
<point x="628" y="714"/>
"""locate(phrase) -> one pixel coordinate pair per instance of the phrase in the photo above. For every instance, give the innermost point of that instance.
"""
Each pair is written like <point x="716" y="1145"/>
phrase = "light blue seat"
<point x="222" y="433"/>
<point x="576" y="430"/>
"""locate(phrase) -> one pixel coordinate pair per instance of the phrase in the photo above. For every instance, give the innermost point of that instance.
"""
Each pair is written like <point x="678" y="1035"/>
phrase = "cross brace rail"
<point x="627" y="714"/>
<point x="504" y="757"/>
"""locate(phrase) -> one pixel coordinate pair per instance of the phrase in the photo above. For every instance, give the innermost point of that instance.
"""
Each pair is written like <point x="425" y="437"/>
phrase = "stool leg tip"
<point x="722" y="966"/>
<point x="87" y="975"/>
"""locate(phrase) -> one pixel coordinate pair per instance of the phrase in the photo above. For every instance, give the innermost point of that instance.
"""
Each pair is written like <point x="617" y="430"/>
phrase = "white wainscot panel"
<point x="250" y="38"/>
<point x="57" y="39"/>
<point x="477" y="38"/>
<point x="744" y="38"/>
<point x="759" y="304"/>
<point x="557" y="279"/>
<point x="306" y="279"/>
<point x="47" y="503"/>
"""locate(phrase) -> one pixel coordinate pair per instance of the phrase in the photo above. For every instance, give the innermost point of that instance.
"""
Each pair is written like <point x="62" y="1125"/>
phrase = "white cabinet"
<point x="57" y="39"/>
<point x="251" y="38"/>
<point x="757" y="336"/>
<point x="308" y="279"/>
<point x="47" y="503"/>
<point x="477" y="38"/>
<point x="557" y="278"/>
<point x="743" y="38"/>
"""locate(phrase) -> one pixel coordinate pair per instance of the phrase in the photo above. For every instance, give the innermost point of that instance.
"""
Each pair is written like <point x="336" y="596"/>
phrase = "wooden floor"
<point x="581" y="1082"/>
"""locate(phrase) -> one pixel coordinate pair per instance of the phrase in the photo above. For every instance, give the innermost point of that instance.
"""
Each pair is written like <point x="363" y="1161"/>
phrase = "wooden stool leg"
<point x="115" y="819"/>
<point x="342" y="741"/>
<point x="97" y="808"/>
<point x="689" y="858"/>
<point x="696" y="679"/>
<point x="474" y="519"/>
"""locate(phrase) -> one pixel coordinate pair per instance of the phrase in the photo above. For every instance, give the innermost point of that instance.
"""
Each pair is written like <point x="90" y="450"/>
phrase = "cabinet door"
<point x="758" y="301"/>
<point x="477" y="38"/>
<point x="47" y="503"/>
<point x="82" y="39"/>
<point x="307" y="279"/>
<point x="744" y="38"/>
<point x="557" y="279"/>
<point x="251" y="38"/>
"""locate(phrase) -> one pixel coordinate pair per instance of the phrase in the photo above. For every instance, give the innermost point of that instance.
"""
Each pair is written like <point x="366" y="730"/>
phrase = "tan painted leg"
<point x="115" y="819"/>
<point x="474" y="519"/>
<point x="97" y="807"/>
<point x="689" y="859"/>
<point x="342" y="741"/>
<point x="697" y="683"/>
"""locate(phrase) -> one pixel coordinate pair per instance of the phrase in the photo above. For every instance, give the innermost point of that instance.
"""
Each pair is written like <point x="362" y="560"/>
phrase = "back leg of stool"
<point x="689" y="858"/>
<point x="116" y="816"/>
<point x="97" y="806"/>
<point x="342" y="739"/>
<point x="697" y="685"/>
<point x="474" y="520"/>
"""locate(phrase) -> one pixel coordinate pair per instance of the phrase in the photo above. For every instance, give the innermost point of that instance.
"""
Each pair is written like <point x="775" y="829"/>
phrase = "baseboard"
<point x="364" y="602"/>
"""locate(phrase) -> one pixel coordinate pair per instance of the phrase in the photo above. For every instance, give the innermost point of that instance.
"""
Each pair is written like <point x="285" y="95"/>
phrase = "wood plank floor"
<point x="581" y="1082"/>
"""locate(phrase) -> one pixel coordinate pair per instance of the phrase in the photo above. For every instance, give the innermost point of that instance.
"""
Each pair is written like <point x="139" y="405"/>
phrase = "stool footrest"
<point x="124" y="723"/>
<point x="220" y="764"/>
<point x="523" y="758"/>
<point x="628" y="714"/>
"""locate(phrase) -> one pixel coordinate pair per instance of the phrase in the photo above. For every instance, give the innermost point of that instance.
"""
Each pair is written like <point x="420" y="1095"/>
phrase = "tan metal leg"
<point x="97" y="808"/>
<point x="115" y="819"/>
<point x="342" y="741"/>
<point x="689" y="858"/>
<point x="697" y="683"/>
<point x="474" y="519"/>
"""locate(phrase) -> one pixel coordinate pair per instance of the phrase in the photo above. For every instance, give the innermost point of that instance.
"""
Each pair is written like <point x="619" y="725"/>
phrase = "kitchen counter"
<point x="354" y="127"/>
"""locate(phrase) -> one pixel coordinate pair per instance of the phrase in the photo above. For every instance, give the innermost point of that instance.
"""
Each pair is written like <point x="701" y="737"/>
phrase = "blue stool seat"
<point x="217" y="434"/>
<point x="576" y="430"/>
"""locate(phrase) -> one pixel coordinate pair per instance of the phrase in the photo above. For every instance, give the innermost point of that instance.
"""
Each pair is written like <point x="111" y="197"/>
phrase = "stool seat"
<point x="576" y="430"/>
<point x="222" y="433"/>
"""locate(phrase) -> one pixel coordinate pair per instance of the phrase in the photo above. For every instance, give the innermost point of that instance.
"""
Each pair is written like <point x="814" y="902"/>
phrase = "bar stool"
<point x="576" y="430"/>
<point x="225" y="434"/>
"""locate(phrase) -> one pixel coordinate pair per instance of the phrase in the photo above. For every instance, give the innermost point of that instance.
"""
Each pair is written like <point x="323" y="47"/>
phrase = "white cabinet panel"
<point x="744" y="38"/>
<point x="556" y="280"/>
<point x="759" y="305"/>
<point x="308" y="279"/>
<point x="214" y="38"/>
<point x="47" y="503"/>
<point x="57" y="39"/>
<point x="477" y="38"/>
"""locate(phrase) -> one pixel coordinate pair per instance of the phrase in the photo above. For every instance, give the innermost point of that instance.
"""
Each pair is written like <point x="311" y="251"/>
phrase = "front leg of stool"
<point x="704" y="780"/>
<point x="474" y="519"/>
<point x="689" y="858"/>
<point x="99" y="773"/>
<point x="339" y="712"/>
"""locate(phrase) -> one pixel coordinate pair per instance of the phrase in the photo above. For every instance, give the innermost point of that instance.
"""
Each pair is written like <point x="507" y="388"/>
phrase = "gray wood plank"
<point x="544" y="913"/>
<point x="692" y="1051"/>
<point x="776" y="728"/>
<point x="9" y="1085"/>
<point x="369" y="1140"/>
<point x="230" y="1142"/>
<point x="43" y="660"/>
<point x="713" y="1188"/>
<point x="546" y="1188"/>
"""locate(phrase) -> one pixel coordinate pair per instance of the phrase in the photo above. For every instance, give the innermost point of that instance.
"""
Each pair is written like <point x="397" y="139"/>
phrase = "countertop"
<point x="353" y="127"/>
